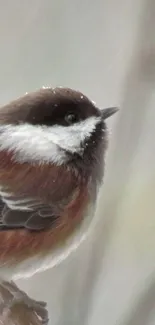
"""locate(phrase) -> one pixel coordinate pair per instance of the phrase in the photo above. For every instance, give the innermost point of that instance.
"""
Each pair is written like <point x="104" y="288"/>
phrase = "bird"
<point x="52" y="147"/>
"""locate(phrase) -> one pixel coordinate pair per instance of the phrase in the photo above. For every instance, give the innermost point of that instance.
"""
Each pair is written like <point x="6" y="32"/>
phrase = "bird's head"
<point x="60" y="126"/>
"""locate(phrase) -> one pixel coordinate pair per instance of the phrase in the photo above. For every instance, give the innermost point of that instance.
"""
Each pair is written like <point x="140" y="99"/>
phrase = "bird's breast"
<point x="23" y="253"/>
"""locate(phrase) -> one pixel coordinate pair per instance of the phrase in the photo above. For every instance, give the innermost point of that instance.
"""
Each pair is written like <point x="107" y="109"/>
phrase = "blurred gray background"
<point x="105" y="48"/>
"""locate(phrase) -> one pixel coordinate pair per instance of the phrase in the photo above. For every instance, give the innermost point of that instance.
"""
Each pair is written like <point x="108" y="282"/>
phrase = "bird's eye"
<point x="71" y="118"/>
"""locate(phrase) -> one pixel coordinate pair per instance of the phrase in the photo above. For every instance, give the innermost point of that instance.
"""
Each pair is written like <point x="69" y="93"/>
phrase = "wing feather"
<point x="29" y="213"/>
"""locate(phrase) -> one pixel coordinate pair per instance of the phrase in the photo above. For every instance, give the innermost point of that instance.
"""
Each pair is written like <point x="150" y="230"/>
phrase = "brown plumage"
<point x="52" y="144"/>
<point x="17" y="244"/>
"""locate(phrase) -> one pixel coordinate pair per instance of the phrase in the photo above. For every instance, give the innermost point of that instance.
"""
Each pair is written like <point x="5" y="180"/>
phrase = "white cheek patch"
<point x="71" y="137"/>
<point x="45" y="144"/>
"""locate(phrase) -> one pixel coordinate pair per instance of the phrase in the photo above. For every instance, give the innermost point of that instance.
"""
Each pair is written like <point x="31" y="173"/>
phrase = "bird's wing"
<point x="20" y="212"/>
<point x="33" y="197"/>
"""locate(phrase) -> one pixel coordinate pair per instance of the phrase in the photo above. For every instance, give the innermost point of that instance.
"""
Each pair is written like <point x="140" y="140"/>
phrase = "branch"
<point x="17" y="314"/>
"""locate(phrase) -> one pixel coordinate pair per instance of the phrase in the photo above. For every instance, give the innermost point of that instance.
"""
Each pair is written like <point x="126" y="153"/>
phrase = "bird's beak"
<point x="107" y="112"/>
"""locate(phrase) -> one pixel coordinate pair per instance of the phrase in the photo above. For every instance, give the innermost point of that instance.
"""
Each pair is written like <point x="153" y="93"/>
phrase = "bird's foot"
<point x="20" y="297"/>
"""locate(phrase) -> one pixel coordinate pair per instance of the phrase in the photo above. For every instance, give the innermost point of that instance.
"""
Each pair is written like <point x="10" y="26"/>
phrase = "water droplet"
<point x="55" y="105"/>
<point x="26" y="93"/>
<point x="81" y="97"/>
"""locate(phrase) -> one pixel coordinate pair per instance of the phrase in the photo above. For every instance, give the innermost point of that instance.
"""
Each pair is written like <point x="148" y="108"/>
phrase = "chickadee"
<point x="52" y="146"/>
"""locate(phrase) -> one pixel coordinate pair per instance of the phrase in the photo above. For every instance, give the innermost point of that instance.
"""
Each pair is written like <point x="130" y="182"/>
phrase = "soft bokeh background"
<point x="105" y="48"/>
